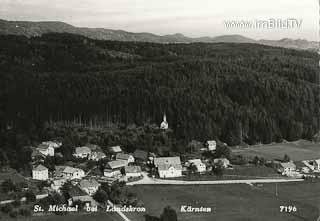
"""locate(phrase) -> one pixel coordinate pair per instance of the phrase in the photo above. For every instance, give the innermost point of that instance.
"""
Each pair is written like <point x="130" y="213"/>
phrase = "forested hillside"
<point x="232" y="92"/>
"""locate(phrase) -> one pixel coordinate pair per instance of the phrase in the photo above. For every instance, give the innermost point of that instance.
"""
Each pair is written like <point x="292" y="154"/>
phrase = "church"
<point x="164" y="125"/>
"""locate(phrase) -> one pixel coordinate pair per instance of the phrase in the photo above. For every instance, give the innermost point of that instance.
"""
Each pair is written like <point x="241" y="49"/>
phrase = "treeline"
<point x="231" y="92"/>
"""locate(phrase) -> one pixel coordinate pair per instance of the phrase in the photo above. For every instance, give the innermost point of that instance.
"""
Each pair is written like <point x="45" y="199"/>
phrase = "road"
<point x="153" y="181"/>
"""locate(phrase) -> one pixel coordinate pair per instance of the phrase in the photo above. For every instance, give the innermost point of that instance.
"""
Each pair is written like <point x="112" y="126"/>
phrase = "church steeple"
<point x="164" y="125"/>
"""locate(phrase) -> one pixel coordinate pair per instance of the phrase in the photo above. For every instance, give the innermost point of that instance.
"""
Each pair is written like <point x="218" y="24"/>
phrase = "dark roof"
<point x="140" y="154"/>
<point x="76" y="191"/>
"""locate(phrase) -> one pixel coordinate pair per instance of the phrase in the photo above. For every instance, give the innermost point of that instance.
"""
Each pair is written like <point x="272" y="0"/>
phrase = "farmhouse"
<point x="82" y="152"/>
<point x="113" y="168"/>
<point x="37" y="156"/>
<point x="57" y="184"/>
<point x="127" y="157"/>
<point x="133" y="171"/>
<point x="168" y="166"/>
<point x="90" y="186"/>
<point x="316" y="165"/>
<point x="287" y="168"/>
<point x="76" y="194"/>
<point x="201" y="167"/>
<point x="40" y="173"/>
<point x="69" y="173"/>
<point x="54" y="144"/>
<point x="140" y="155"/>
<point x="46" y="150"/>
<point x="115" y="149"/>
<point x="224" y="162"/>
<point x="96" y="156"/>
<point x="211" y="145"/>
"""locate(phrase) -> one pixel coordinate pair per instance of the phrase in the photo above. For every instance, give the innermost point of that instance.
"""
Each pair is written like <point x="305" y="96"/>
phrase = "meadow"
<point x="297" y="151"/>
<point x="233" y="202"/>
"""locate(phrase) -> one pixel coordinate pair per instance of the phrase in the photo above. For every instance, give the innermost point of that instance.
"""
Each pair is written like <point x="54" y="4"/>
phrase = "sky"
<point x="193" y="18"/>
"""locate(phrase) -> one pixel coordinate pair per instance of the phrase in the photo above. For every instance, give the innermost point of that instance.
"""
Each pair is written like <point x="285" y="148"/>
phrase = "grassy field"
<point x="101" y="216"/>
<point x="237" y="173"/>
<point x="233" y="202"/>
<point x="299" y="150"/>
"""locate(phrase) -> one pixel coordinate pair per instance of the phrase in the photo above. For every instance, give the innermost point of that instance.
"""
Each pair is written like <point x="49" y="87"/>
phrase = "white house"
<point x="46" y="150"/>
<point x="97" y="155"/>
<point x="115" y="149"/>
<point x="211" y="145"/>
<point x="54" y="144"/>
<point x="133" y="171"/>
<point x="113" y="168"/>
<point x="82" y="152"/>
<point x="90" y="186"/>
<point x="224" y="161"/>
<point x="287" y="168"/>
<point x="168" y="166"/>
<point x="69" y="173"/>
<point x="127" y="157"/>
<point x="57" y="184"/>
<point x="316" y="164"/>
<point x="40" y="173"/>
<point x="164" y="124"/>
<point x="201" y="167"/>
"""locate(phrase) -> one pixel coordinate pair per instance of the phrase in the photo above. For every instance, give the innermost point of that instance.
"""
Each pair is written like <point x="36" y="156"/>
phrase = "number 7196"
<point x="288" y="209"/>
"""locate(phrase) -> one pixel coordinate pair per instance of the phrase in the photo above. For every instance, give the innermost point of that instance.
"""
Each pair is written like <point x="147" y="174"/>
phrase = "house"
<point x="93" y="147"/>
<point x="78" y="195"/>
<point x="211" y="145"/>
<point x="316" y="164"/>
<point x="164" y="124"/>
<point x="224" y="162"/>
<point x="201" y="167"/>
<point x="90" y="186"/>
<point x="113" y="168"/>
<point x="123" y="156"/>
<point x="133" y="171"/>
<point x="37" y="156"/>
<point x="115" y="149"/>
<point x="96" y="156"/>
<point x="82" y="152"/>
<point x="46" y="150"/>
<point x="57" y="184"/>
<point x="54" y="144"/>
<point x="168" y="166"/>
<point x="140" y="155"/>
<point x="40" y="173"/>
<point x="69" y="173"/>
<point x="287" y="168"/>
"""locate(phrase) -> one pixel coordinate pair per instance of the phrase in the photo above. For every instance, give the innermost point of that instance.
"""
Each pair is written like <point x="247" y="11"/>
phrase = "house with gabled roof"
<point x="82" y="152"/>
<point x="201" y="167"/>
<point x="90" y="186"/>
<point x="113" y="168"/>
<point x="46" y="149"/>
<point x="127" y="157"/>
<point x="140" y="155"/>
<point x="115" y="149"/>
<point x="40" y="172"/>
<point x="287" y="168"/>
<point x="168" y="166"/>
<point x="133" y="171"/>
<point x="69" y="173"/>
<point x="316" y="165"/>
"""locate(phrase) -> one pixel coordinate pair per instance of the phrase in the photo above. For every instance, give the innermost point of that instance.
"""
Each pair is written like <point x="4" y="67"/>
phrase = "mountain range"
<point x="31" y="29"/>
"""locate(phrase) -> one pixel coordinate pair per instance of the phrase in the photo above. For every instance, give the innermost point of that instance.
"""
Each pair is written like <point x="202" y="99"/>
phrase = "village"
<point x="92" y="172"/>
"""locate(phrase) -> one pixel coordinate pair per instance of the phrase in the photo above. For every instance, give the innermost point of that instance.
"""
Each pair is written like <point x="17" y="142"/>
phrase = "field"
<point x="299" y="150"/>
<point x="72" y="217"/>
<point x="233" y="202"/>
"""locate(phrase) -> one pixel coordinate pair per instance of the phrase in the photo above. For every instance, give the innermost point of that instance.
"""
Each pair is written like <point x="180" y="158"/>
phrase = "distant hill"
<point x="31" y="29"/>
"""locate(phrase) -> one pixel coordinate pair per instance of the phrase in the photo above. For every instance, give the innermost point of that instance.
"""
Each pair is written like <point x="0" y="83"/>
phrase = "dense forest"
<point x="232" y="92"/>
